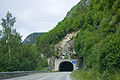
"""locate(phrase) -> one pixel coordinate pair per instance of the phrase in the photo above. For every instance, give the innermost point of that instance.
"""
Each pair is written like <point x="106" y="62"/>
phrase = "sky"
<point x="35" y="15"/>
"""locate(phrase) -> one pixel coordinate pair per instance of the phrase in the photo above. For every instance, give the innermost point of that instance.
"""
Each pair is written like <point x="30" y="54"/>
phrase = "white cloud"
<point x="36" y="15"/>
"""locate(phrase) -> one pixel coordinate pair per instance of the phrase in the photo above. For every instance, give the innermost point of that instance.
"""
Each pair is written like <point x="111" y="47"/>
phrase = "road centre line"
<point x="44" y="77"/>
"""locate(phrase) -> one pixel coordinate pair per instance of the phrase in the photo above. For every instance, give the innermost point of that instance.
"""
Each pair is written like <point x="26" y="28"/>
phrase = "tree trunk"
<point x="84" y="63"/>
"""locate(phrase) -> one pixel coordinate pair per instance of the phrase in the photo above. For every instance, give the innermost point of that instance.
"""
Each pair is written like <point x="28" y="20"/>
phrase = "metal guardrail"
<point x="5" y="75"/>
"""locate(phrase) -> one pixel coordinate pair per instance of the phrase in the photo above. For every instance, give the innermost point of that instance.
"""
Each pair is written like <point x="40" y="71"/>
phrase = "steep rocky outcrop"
<point x="64" y="48"/>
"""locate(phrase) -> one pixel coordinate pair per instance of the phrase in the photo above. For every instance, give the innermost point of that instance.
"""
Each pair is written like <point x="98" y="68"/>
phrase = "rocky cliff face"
<point x="64" y="48"/>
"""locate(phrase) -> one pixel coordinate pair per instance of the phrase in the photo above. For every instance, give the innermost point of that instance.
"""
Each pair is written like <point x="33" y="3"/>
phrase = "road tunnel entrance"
<point x="66" y="66"/>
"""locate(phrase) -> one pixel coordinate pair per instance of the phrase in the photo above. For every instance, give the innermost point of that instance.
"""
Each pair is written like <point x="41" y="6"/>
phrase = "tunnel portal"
<point x="66" y="66"/>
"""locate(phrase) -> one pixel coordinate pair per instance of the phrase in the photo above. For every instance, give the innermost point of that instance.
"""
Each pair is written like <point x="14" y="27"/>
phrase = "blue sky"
<point x="36" y="15"/>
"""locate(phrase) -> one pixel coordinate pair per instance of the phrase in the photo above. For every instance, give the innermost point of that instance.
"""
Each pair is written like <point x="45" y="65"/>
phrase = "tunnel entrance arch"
<point x="66" y="66"/>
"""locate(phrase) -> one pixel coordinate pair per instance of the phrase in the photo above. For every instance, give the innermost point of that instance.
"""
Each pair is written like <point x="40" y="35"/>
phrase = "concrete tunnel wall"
<point x="59" y="61"/>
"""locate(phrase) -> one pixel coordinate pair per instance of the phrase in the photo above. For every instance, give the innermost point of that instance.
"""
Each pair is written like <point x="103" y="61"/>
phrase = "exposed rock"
<point x="65" y="47"/>
<point x="86" y="3"/>
<point x="51" y="63"/>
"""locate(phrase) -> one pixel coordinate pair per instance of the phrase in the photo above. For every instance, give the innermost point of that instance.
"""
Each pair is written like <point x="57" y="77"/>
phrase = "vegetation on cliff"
<point x="97" y="44"/>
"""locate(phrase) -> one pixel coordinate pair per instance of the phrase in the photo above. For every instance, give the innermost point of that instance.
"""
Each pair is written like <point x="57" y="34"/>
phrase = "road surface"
<point x="45" y="76"/>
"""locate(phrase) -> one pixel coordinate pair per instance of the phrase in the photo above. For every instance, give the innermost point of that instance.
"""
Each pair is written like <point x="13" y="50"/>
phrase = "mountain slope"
<point x="97" y="43"/>
<point x="31" y="39"/>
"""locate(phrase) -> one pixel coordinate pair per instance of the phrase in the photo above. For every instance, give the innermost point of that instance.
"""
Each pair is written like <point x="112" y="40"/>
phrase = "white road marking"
<point x="67" y="77"/>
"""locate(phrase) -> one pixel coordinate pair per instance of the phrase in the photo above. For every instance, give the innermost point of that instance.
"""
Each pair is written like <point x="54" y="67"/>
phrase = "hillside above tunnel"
<point x="96" y="42"/>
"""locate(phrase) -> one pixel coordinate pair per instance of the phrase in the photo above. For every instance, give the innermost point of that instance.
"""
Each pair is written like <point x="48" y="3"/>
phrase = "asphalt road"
<point x="45" y="76"/>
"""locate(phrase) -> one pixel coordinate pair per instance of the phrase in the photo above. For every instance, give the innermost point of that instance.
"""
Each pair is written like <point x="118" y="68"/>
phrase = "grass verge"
<point x="92" y="75"/>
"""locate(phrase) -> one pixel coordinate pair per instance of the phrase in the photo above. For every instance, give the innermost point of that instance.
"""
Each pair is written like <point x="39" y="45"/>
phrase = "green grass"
<point x="83" y="75"/>
<point x="92" y="75"/>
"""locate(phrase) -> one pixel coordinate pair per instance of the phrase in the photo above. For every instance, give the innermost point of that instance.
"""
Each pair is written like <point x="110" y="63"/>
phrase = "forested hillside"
<point x="31" y="39"/>
<point x="97" y="44"/>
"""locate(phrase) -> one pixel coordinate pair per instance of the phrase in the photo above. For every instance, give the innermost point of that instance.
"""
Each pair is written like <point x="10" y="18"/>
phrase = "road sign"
<point x="73" y="62"/>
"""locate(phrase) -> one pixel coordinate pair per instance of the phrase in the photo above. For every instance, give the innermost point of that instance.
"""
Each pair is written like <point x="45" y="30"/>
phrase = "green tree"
<point x="10" y="43"/>
<point x="7" y="25"/>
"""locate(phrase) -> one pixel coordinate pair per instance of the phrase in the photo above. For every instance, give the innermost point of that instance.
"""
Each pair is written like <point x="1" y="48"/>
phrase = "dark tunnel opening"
<point x="66" y="66"/>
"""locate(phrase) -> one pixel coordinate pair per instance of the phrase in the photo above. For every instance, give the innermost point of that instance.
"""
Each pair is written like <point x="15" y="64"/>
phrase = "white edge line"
<point x="67" y="77"/>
